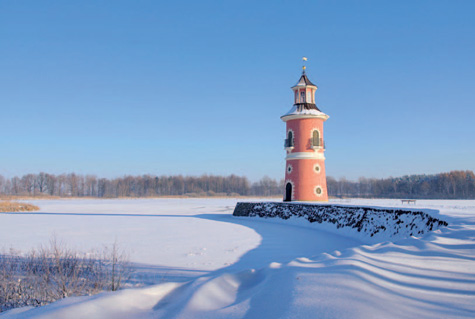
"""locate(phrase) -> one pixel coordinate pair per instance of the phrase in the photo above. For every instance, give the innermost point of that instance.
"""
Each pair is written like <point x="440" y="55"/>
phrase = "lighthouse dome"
<point x="304" y="101"/>
<point x="303" y="82"/>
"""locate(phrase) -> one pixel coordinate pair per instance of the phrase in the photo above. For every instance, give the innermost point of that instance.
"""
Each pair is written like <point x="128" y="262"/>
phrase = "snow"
<point x="294" y="111"/>
<point x="369" y="223"/>
<point x="201" y="262"/>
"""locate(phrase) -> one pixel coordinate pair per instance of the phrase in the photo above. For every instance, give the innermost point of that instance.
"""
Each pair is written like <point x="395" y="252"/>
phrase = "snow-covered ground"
<point x="201" y="262"/>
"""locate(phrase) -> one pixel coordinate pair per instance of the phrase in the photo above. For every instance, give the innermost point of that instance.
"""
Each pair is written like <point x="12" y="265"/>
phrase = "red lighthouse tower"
<point x="305" y="178"/>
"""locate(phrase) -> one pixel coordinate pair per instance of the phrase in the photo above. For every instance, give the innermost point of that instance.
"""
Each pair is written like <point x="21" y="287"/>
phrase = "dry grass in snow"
<point x="7" y="207"/>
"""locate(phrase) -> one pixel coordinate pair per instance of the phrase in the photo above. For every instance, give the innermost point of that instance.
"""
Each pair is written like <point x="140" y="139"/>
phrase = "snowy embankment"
<point x="215" y="265"/>
<point x="380" y="223"/>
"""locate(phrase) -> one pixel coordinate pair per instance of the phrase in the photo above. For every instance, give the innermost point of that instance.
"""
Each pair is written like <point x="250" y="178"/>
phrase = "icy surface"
<point x="205" y="263"/>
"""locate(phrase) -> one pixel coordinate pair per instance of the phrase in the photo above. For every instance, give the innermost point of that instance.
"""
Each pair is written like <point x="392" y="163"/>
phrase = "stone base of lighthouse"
<point x="305" y="180"/>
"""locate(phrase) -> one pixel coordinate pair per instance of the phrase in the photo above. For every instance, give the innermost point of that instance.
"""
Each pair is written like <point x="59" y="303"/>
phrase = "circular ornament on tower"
<point x="316" y="168"/>
<point x="319" y="191"/>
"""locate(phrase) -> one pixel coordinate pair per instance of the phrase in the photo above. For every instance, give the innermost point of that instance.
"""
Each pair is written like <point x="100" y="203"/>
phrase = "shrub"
<point x="55" y="272"/>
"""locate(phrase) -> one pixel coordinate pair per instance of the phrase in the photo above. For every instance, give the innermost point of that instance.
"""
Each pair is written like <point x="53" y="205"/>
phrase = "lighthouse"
<point x="305" y="178"/>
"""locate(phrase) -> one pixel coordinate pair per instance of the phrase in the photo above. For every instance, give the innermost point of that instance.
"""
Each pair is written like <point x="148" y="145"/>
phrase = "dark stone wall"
<point x="367" y="220"/>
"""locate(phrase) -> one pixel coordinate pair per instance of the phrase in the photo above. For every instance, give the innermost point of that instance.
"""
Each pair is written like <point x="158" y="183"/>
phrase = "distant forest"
<point x="452" y="185"/>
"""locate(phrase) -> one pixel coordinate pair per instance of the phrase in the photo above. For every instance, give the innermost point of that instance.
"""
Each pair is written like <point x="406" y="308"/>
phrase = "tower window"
<point x="302" y="96"/>
<point x="316" y="142"/>
<point x="289" y="141"/>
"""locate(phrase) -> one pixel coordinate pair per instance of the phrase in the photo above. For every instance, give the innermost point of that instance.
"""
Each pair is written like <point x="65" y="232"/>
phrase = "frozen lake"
<point x="196" y="235"/>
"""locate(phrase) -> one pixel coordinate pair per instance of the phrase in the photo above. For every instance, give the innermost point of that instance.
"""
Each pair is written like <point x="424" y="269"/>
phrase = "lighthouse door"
<point x="288" y="192"/>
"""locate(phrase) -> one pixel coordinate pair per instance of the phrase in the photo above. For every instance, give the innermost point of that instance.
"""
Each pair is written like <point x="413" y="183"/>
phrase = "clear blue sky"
<point x="192" y="87"/>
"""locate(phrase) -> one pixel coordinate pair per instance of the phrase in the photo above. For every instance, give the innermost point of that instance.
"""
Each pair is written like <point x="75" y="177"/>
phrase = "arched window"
<point x="290" y="139"/>
<point x="316" y="138"/>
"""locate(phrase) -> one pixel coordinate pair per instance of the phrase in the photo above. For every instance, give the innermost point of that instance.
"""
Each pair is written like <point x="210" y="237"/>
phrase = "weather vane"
<point x="304" y="59"/>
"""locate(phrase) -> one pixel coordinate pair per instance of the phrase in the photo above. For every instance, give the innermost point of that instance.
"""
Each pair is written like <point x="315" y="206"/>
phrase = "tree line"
<point x="76" y="185"/>
<point x="451" y="185"/>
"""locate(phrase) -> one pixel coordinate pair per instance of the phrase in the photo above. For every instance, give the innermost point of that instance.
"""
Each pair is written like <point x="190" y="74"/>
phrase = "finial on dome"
<point x="304" y="59"/>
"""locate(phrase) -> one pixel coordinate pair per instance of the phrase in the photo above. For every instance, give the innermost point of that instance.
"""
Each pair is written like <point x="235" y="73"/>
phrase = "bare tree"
<point x="41" y="182"/>
<point x="91" y="185"/>
<point x="3" y="182"/>
<point x="51" y="181"/>
<point x="72" y="182"/>
<point x="119" y="266"/>
<point x="28" y="183"/>
<point x="16" y="185"/>
<point x="62" y="185"/>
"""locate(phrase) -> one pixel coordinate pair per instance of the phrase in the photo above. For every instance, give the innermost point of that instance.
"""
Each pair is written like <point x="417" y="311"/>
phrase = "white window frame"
<point x="289" y="169"/>
<point x="292" y="195"/>
<point x="315" y="168"/>
<point x="321" y="190"/>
